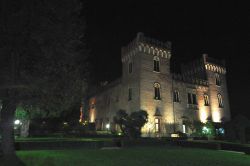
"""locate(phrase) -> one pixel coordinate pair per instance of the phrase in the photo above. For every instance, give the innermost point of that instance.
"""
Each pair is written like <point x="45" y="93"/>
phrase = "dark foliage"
<point x="43" y="59"/>
<point x="236" y="129"/>
<point x="131" y="125"/>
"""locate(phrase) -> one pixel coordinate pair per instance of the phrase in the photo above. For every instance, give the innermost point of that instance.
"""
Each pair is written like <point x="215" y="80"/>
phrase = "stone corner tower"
<point x="147" y="78"/>
<point x="219" y="100"/>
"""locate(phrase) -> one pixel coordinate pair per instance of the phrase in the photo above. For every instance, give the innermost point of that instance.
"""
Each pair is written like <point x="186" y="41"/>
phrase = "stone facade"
<point x="199" y="92"/>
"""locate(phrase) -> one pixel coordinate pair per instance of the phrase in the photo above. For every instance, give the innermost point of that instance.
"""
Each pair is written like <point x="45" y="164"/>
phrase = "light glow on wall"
<point x="92" y="110"/>
<point x="148" y="127"/>
<point x="203" y="115"/>
<point x="216" y="116"/>
<point x="92" y="116"/>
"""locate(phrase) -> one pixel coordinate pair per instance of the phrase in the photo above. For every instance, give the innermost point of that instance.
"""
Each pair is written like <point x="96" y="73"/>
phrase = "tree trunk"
<point x="242" y="135"/>
<point x="7" y="126"/>
<point x="24" y="131"/>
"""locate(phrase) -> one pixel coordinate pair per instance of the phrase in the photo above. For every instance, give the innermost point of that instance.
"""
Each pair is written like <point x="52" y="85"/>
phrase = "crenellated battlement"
<point x="215" y="68"/>
<point x="214" y="65"/>
<point x="146" y="45"/>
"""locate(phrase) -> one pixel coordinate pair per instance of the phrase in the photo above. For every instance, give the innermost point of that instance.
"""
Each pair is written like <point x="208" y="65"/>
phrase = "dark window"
<point x="92" y="106"/>
<point x="194" y="99"/>
<point x="189" y="98"/>
<point x="156" y="64"/>
<point x="157" y="91"/>
<point x="217" y="79"/>
<point x="206" y="100"/>
<point x="176" y="96"/>
<point x="220" y="101"/>
<point x="130" y="94"/>
<point x="130" y="67"/>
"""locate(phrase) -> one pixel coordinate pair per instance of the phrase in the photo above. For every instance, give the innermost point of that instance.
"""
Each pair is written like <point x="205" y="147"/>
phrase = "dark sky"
<point x="221" y="29"/>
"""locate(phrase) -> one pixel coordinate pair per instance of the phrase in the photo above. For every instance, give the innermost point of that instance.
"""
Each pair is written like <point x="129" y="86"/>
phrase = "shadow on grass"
<point x="10" y="160"/>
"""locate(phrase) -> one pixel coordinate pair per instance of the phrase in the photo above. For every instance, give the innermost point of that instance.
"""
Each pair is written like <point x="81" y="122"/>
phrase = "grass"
<point x="44" y="139"/>
<point x="221" y="141"/>
<point x="150" y="156"/>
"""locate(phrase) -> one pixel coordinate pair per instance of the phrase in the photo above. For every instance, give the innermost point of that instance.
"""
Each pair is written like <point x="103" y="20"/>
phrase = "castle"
<point x="198" y="93"/>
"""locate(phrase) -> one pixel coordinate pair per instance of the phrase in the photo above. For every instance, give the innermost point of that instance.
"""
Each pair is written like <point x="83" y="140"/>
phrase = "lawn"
<point x="44" y="139"/>
<point x="144" y="156"/>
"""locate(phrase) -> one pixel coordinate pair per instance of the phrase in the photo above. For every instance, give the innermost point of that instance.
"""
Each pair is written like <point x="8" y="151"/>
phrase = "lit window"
<point x="156" y="64"/>
<point x="217" y="79"/>
<point x="206" y="100"/>
<point x="157" y="125"/>
<point x="220" y="101"/>
<point x="192" y="99"/>
<point x="130" y="67"/>
<point x="157" y="91"/>
<point x="184" y="128"/>
<point x="130" y="94"/>
<point x="176" y="96"/>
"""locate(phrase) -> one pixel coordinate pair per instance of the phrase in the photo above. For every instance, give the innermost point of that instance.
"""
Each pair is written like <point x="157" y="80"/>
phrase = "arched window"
<point x="156" y="64"/>
<point x="217" y="79"/>
<point x="157" y="91"/>
<point x="206" y="100"/>
<point x="176" y="96"/>
<point x="157" y="125"/>
<point x="192" y="98"/>
<point x="220" y="101"/>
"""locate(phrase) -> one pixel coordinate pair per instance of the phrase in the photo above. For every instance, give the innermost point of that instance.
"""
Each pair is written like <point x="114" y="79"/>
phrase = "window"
<point x="176" y="96"/>
<point x="220" y="100"/>
<point x="157" y="125"/>
<point x="189" y="98"/>
<point x="217" y="79"/>
<point x="206" y="100"/>
<point x="92" y="106"/>
<point x="156" y="64"/>
<point x="192" y="99"/>
<point x="157" y="91"/>
<point x="130" y="67"/>
<point x="184" y="128"/>
<point x="130" y="94"/>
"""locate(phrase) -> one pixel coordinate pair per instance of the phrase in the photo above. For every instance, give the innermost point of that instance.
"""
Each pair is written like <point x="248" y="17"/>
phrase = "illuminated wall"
<point x="197" y="77"/>
<point x="92" y="110"/>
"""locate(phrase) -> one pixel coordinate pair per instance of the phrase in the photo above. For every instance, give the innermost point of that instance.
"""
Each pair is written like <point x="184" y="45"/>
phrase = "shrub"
<point x="131" y="125"/>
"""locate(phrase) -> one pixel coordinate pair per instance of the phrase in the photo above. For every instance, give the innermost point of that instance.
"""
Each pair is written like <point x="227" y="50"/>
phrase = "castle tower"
<point x="148" y="82"/>
<point x="219" y="101"/>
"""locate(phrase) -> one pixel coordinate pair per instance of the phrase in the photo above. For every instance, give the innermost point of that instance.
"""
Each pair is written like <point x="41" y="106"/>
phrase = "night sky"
<point x="221" y="29"/>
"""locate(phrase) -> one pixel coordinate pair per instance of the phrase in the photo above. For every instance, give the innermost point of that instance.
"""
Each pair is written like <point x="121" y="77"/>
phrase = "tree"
<point x="240" y="123"/>
<point x="131" y="124"/>
<point x="208" y="129"/>
<point x="43" y="59"/>
<point x="186" y="121"/>
<point x="121" y="119"/>
<point x="23" y="116"/>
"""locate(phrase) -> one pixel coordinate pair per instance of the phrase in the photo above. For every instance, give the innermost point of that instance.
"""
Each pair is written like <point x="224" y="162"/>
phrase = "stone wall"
<point x="197" y="77"/>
